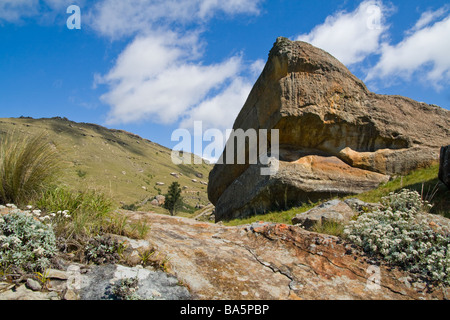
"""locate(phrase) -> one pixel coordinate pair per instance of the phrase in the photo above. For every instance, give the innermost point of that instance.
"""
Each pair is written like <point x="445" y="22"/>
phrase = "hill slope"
<point x="120" y="164"/>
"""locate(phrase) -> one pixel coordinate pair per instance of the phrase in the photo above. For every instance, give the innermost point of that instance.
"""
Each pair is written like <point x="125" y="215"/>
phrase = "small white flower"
<point x="29" y="207"/>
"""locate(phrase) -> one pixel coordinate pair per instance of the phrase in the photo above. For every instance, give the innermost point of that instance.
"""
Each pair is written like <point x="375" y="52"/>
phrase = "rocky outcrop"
<point x="444" y="167"/>
<point x="336" y="137"/>
<point x="267" y="261"/>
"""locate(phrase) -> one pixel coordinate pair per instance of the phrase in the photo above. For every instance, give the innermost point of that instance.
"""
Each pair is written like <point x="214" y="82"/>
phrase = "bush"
<point x="28" y="166"/>
<point x="173" y="198"/>
<point x="102" y="250"/>
<point x="401" y="234"/>
<point x="126" y="289"/>
<point x="25" y="243"/>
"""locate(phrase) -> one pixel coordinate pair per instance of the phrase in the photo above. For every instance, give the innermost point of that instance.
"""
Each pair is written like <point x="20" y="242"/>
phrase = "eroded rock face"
<point x="336" y="137"/>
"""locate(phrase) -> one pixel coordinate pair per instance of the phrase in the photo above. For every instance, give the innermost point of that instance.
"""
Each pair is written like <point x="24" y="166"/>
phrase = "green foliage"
<point x="425" y="181"/>
<point x="28" y="166"/>
<point x="329" y="227"/>
<point x="25" y="243"/>
<point x="173" y="198"/>
<point x="401" y="234"/>
<point x="140" y="229"/>
<point x="89" y="210"/>
<point x="126" y="289"/>
<point x="102" y="250"/>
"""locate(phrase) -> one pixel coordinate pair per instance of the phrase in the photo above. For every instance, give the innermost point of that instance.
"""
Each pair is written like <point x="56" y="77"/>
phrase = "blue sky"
<point x="152" y="66"/>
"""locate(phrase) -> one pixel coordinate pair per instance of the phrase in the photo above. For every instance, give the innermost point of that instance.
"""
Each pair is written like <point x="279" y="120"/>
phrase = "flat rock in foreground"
<point x="273" y="262"/>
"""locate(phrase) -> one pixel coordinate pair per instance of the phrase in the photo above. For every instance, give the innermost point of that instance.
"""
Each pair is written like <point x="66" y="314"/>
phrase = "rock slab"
<point x="266" y="261"/>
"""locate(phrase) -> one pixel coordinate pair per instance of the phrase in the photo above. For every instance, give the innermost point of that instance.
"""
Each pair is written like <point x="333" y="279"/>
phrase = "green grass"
<point x="91" y="212"/>
<point x="276" y="216"/>
<point x="329" y="227"/>
<point x="89" y="209"/>
<point x="425" y="181"/>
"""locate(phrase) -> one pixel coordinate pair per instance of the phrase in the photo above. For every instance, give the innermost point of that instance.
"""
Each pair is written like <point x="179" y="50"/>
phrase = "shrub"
<point x="126" y="289"/>
<point x="173" y="198"/>
<point x="27" y="167"/>
<point x="25" y="243"/>
<point x="102" y="250"/>
<point x="401" y="234"/>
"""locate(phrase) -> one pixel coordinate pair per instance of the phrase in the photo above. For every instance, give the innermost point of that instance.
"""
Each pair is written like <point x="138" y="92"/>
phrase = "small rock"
<point x="71" y="295"/>
<point x="334" y="210"/>
<point x="161" y="199"/>
<point x="57" y="274"/>
<point x="33" y="285"/>
<point x="57" y="285"/>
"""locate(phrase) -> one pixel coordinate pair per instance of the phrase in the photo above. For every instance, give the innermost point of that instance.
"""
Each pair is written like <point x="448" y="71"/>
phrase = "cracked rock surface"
<point x="266" y="261"/>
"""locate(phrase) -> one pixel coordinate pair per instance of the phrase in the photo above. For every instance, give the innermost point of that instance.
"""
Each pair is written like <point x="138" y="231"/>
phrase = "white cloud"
<point x="220" y="111"/>
<point x="15" y="10"/>
<point x="155" y="79"/>
<point x="118" y="18"/>
<point x="351" y="36"/>
<point x="160" y="76"/>
<point x="425" y="49"/>
<point x="427" y="17"/>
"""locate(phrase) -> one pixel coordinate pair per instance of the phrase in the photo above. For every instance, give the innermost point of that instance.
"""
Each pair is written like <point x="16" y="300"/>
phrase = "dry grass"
<point x="28" y="166"/>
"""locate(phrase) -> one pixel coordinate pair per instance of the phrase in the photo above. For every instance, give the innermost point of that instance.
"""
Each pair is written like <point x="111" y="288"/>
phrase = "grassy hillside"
<point x="122" y="165"/>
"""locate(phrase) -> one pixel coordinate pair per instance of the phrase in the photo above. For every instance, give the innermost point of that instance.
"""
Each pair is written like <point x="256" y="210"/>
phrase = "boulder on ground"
<point x="331" y="211"/>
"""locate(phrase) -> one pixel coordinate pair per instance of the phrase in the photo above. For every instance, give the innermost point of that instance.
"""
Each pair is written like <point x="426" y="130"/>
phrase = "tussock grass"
<point x="329" y="227"/>
<point x="90" y="210"/>
<point x="28" y="166"/>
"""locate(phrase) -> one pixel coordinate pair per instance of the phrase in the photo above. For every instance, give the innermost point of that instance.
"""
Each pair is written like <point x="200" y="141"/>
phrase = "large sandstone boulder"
<point x="336" y="137"/>
<point x="444" y="167"/>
